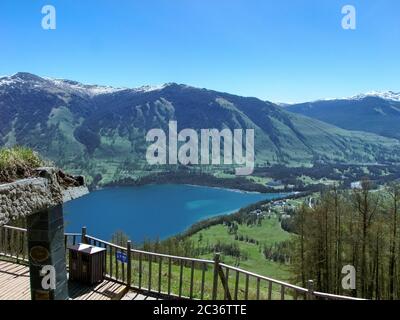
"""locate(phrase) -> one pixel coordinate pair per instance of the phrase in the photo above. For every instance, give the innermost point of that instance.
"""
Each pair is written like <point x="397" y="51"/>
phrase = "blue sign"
<point x="121" y="256"/>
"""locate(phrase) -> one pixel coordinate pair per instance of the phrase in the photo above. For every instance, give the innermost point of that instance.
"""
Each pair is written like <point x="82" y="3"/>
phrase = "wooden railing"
<point x="13" y="243"/>
<point x="171" y="276"/>
<point x="156" y="273"/>
<point x="238" y="281"/>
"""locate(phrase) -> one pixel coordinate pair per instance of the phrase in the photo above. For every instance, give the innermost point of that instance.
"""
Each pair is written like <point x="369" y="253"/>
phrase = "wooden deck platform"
<point x="14" y="285"/>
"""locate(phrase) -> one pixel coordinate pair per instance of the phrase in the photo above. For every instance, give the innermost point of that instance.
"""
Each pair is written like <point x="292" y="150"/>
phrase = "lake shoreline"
<point x="155" y="211"/>
<point x="241" y="184"/>
<point x="186" y="184"/>
<point x="219" y="219"/>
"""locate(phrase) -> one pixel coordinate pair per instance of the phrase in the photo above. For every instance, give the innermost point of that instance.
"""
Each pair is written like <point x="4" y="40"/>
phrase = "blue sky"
<point x="286" y="50"/>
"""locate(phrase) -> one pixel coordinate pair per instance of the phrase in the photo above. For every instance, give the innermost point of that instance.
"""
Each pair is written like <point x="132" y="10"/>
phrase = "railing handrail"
<point x="71" y="234"/>
<point x="162" y="255"/>
<point x="106" y="242"/>
<point x="155" y="254"/>
<point x="278" y="282"/>
<point x="335" y="297"/>
<point x="13" y="228"/>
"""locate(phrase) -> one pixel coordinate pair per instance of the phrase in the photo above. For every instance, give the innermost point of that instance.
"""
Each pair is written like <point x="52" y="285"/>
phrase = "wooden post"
<point x="84" y="232"/>
<point x="129" y="263"/>
<point x="224" y="281"/>
<point x="217" y="257"/>
<point x="310" y="287"/>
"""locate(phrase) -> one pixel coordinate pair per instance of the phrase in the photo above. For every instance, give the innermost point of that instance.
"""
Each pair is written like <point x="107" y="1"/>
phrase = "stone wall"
<point x="39" y="199"/>
<point x="24" y="197"/>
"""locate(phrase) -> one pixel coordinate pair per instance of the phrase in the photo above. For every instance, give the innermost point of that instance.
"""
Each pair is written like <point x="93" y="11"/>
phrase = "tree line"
<point x="359" y="228"/>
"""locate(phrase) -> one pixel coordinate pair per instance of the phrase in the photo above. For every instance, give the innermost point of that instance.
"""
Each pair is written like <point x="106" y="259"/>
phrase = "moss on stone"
<point x="17" y="163"/>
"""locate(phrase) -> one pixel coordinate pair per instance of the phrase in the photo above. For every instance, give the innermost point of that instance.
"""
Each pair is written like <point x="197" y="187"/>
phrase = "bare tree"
<point x="394" y="193"/>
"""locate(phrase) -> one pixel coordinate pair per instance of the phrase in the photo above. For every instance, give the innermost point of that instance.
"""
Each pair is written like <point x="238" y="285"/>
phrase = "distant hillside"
<point x="376" y="113"/>
<point x="101" y="130"/>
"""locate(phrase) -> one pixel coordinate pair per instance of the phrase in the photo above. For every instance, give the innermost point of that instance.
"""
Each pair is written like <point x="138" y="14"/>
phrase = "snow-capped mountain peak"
<point x="24" y="79"/>
<point x="386" y="95"/>
<point x="149" y="88"/>
<point x="92" y="90"/>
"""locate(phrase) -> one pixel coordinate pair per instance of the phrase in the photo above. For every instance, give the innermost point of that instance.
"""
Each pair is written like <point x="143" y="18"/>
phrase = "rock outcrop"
<point x="48" y="188"/>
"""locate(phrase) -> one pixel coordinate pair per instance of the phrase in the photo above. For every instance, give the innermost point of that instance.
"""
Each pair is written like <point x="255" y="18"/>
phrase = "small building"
<point x="356" y="185"/>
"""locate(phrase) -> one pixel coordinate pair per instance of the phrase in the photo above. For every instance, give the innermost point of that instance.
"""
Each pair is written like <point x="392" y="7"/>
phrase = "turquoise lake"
<point x="152" y="211"/>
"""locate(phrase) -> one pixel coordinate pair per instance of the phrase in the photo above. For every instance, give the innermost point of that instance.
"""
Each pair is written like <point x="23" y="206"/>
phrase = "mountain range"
<point x="100" y="131"/>
<point x="376" y="112"/>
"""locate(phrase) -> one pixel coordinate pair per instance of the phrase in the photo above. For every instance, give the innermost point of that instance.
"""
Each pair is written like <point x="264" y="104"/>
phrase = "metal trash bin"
<point x="87" y="263"/>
